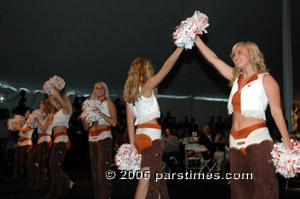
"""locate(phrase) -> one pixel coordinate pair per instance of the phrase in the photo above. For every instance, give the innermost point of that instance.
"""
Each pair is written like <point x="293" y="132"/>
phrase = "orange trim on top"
<point x="102" y="100"/>
<point x="149" y="125"/>
<point x="252" y="78"/>
<point x="236" y="102"/>
<point x="236" y="98"/>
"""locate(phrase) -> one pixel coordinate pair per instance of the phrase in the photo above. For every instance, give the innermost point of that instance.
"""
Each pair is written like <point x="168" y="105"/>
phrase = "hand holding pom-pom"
<point x="188" y="30"/>
<point x="48" y="88"/>
<point x="16" y="120"/>
<point x="128" y="158"/>
<point x="54" y="82"/>
<point x="57" y="82"/>
<point x="286" y="162"/>
<point x="91" y="111"/>
<point x="35" y="115"/>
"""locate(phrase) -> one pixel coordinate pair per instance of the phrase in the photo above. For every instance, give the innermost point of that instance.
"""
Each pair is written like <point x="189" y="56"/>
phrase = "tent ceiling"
<point x="89" y="41"/>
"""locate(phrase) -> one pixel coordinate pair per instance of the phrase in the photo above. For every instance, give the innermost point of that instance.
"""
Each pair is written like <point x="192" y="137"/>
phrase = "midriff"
<point x="239" y="122"/>
<point x="58" y="129"/>
<point x="96" y="126"/>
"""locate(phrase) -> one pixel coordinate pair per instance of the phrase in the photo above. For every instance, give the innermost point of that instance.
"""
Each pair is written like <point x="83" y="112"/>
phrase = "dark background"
<point x="85" y="41"/>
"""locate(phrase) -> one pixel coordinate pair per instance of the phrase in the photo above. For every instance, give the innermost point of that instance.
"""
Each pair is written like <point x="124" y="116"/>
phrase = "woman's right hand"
<point x="287" y="144"/>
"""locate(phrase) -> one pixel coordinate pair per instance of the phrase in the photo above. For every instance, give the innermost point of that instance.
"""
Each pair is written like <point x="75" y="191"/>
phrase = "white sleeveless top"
<point x="27" y="135"/>
<point x="60" y="119"/>
<point x="145" y="109"/>
<point x="104" y="109"/>
<point x="254" y="100"/>
<point x="48" y="132"/>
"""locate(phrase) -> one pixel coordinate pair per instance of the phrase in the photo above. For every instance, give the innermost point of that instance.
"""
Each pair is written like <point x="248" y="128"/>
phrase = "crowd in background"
<point x="218" y="127"/>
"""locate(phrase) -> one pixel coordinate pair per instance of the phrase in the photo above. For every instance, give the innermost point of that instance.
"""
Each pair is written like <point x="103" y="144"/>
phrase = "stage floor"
<point x="125" y="188"/>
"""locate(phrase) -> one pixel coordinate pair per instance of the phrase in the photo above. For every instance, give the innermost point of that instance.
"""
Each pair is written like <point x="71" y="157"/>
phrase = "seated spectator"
<point x="171" y="149"/>
<point x="207" y="140"/>
<point x="214" y="146"/>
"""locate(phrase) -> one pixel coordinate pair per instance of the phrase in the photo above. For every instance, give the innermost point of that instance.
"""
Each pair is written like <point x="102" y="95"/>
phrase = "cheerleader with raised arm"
<point x="253" y="88"/>
<point x="23" y="150"/>
<point x="142" y="111"/>
<point x="38" y="162"/>
<point x="100" y="140"/>
<point x="60" y="182"/>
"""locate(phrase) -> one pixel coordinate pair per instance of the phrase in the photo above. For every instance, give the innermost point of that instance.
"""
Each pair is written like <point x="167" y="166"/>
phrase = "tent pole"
<point x="287" y="62"/>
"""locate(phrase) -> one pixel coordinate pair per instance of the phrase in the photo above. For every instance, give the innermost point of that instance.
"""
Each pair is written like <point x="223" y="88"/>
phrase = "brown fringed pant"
<point x="60" y="181"/>
<point x="21" y="161"/>
<point x="258" y="162"/>
<point x="152" y="158"/>
<point x="101" y="159"/>
<point x="37" y="174"/>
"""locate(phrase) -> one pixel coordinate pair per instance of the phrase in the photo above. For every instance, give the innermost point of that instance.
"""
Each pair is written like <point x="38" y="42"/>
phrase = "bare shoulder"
<point x="49" y="116"/>
<point x="269" y="81"/>
<point x="110" y="103"/>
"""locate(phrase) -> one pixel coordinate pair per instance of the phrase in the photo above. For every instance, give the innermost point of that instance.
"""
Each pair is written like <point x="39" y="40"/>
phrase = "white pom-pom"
<point x="286" y="162"/>
<point x="56" y="82"/>
<point x="90" y="111"/>
<point x="186" y="33"/>
<point x="47" y="87"/>
<point x="127" y="158"/>
<point x="17" y="119"/>
<point x="39" y="114"/>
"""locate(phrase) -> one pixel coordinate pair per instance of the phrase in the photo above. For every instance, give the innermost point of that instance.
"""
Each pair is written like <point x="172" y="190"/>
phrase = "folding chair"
<point x="206" y="161"/>
<point x="192" y="156"/>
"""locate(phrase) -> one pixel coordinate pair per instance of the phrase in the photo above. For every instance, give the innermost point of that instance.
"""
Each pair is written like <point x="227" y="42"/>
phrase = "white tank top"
<point x="60" y="119"/>
<point x="26" y="135"/>
<point x="145" y="109"/>
<point x="48" y="131"/>
<point x="104" y="109"/>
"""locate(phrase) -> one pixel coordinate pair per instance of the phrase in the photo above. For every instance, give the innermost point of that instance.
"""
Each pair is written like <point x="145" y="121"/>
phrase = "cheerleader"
<point x="60" y="182"/>
<point x="253" y="88"/>
<point x="37" y="168"/>
<point x="23" y="150"/>
<point x="142" y="110"/>
<point x="100" y="141"/>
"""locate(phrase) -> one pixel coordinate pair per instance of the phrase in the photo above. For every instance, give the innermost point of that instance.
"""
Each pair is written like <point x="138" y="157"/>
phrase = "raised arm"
<point x="165" y="69"/>
<point x="273" y="94"/>
<point x="47" y="122"/>
<point x="113" y="114"/>
<point x="223" y="68"/>
<point x="66" y="107"/>
<point x="130" y="124"/>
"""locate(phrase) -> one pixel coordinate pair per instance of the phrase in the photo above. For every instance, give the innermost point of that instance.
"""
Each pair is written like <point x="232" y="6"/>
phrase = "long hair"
<point x="93" y="96"/>
<point x="140" y="71"/>
<point x="48" y="107"/>
<point x="256" y="59"/>
<point x="66" y="99"/>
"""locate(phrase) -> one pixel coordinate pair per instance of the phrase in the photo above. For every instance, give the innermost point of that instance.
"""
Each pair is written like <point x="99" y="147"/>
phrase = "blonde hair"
<point x="140" y="71"/>
<point x="93" y="96"/>
<point x="48" y="107"/>
<point x="256" y="58"/>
